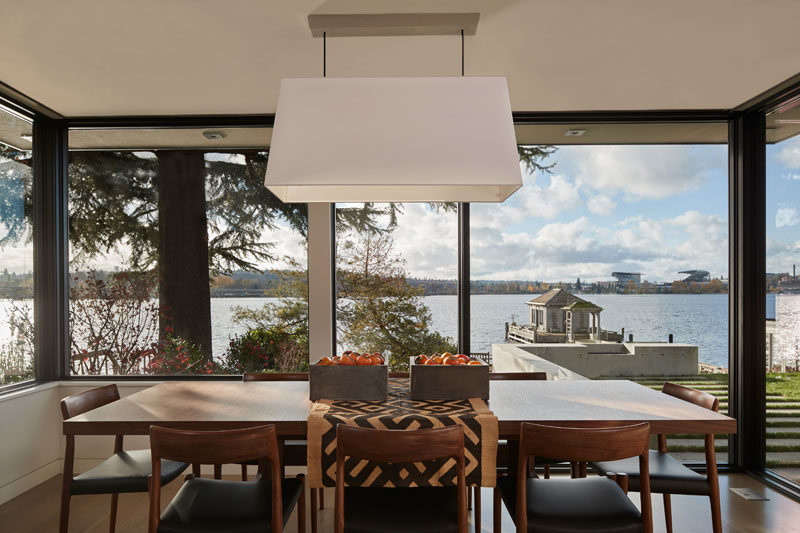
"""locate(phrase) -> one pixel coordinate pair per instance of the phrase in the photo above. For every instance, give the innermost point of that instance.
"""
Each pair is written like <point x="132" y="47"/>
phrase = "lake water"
<point x="700" y="319"/>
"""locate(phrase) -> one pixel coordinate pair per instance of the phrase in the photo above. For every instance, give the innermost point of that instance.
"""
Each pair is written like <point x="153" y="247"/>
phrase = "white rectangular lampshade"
<point x="393" y="140"/>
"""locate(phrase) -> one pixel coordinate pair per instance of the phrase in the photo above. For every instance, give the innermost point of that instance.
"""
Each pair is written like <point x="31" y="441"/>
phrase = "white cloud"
<point x="786" y="215"/>
<point x="428" y="241"/>
<point x="789" y="155"/>
<point x="560" y="195"/>
<point x="641" y="171"/>
<point x="601" y="204"/>
<point x="792" y="177"/>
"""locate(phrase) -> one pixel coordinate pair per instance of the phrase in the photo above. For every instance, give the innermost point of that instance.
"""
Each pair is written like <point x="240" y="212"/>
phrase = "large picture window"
<point x="783" y="291"/>
<point x="182" y="262"/>
<point x="396" y="271"/>
<point x="17" y="362"/>
<point x="611" y="262"/>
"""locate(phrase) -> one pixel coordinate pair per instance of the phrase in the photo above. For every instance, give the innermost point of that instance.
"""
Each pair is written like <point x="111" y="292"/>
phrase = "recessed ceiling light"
<point x="213" y="135"/>
<point x="27" y="137"/>
<point x="574" y="132"/>
<point x="787" y="121"/>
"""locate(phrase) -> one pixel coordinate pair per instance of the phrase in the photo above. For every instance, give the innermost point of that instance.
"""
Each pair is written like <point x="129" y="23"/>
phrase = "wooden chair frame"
<point x="316" y="494"/>
<point x="711" y="402"/>
<point x="581" y="445"/>
<point x="75" y="405"/>
<point x="474" y="496"/>
<point x="399" y="446"/>
<point x="219" y="447"/>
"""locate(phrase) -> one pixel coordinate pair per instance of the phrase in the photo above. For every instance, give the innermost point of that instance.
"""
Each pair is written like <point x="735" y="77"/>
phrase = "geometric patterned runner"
<point x="400" y="412"/>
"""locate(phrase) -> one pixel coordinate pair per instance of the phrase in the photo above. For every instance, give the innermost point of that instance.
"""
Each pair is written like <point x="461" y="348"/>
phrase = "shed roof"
<point x="556" y="298"/>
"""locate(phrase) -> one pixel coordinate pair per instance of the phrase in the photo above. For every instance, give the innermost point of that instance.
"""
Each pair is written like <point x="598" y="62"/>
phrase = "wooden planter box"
<point x="367" y="383"/>
<point x="448" y="382"/>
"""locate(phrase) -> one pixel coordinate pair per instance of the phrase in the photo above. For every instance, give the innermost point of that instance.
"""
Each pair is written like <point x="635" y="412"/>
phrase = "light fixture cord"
<point x="462" y="53"/>
<point x="325" y="54"/>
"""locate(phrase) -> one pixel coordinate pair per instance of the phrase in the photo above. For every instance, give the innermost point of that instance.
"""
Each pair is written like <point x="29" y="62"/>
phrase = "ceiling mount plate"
<point x="392" y="24"/>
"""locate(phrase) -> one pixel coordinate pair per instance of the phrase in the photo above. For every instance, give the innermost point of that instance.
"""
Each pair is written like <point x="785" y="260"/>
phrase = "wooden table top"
<point x="207" y="405"/>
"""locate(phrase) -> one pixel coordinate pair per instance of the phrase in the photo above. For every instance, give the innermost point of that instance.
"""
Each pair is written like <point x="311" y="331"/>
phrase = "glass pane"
<point x="16" y="251"/>
<point x="609" y="251"/>
<point x="396" y="271"/>
<point x="783" y="292"/>
<point x="182" y="262"/>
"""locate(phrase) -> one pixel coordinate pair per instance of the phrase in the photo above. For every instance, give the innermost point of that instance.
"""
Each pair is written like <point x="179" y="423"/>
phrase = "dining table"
<point x="216" y="405"/>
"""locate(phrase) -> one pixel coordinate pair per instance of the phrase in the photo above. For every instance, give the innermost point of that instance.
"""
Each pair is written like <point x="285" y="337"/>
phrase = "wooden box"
<point x="448" y="382"/>
<point x="367" y="383"/>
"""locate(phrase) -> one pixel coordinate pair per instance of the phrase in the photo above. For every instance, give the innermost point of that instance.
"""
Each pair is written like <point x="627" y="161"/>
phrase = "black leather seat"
<point x="573" y="505"/>
<point x="206" y="505"/>
<point x="123" y="472"/>
<point x="667" y="474"/>
<point x="400" y="510"/>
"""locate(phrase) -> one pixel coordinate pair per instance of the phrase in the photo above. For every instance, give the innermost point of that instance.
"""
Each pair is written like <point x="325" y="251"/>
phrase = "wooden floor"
<point x="37" y="511"/>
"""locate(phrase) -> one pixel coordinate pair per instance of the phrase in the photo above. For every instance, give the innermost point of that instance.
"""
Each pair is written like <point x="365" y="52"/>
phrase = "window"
<point x="608" y="250"/>
<point x="181" y="261"/>
<point x="783" y="291"/>
<point x="17" y="362"/>
<point x="396" y="272"/>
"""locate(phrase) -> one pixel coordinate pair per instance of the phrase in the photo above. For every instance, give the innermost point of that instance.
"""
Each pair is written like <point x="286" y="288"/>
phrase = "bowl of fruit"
<point x="448" y="376"/>
<point x="349" y="376"/>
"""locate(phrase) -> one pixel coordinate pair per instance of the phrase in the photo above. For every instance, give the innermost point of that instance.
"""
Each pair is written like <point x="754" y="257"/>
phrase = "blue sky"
<point x="783" y="205"/>
<point x="650" y="209"/>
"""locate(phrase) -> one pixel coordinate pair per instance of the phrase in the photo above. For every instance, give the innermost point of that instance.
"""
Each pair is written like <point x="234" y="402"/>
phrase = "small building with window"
<point x="558" y="311"/>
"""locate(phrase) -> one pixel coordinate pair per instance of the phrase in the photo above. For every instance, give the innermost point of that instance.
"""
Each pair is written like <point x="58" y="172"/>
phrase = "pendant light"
<point x="414" y="139"/>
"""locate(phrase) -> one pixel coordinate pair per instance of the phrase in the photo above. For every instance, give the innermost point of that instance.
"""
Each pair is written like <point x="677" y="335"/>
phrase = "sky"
<point x="650" y="209"/>
<point x="783" y="205"/>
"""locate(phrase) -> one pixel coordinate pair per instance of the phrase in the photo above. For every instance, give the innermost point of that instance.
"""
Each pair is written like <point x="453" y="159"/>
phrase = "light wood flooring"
<point x="37" y="511"/>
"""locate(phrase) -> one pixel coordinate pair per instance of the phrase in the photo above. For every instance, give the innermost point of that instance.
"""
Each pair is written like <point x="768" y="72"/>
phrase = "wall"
<point x="599" y="360"/>
<point x="32" y="449"/>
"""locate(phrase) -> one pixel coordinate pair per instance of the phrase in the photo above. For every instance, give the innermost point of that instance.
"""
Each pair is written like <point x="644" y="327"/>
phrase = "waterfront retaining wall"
<point x="597" y="360"/>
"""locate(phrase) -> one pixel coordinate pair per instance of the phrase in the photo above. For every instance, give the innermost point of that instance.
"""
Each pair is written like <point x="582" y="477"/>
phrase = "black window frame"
<point x="746" y="242"/>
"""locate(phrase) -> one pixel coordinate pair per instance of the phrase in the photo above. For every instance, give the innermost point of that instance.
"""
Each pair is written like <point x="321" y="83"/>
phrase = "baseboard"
<point x="13" y="489"/>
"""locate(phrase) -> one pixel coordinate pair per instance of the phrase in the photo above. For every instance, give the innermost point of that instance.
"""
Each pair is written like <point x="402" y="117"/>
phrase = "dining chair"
<point x="505" y="450"/>
<point x="223" y="505"/>
<point x="670" y="476"/>
<point x="400" y="509"/>
<point x="293" y="452"/>
<point x="582" y="504"/>
<point x="125" y="471"/>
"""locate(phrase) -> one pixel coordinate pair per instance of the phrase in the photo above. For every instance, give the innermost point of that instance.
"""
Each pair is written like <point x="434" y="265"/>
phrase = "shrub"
<point x="265" y="350"/>
<point x="173" y="355"/>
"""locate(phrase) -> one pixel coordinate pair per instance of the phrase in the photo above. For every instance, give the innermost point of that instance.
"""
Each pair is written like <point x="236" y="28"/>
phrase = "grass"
<point x="787" y="385"/>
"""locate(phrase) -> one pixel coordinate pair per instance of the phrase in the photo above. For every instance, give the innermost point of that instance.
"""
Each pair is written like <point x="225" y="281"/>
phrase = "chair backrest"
<point x="518" y="376"/>
<point x="688" y="394"/>
<point x="702" y="399"/>
<point x="215" y="447"/>
<point x="82" y="402"/>
<point x="276" y="376"/>
<point x="584" y="445"/>
<point x="400" y="446"/>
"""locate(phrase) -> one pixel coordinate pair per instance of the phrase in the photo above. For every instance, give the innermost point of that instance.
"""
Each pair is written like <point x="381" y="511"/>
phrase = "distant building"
<point x="696" y="276"/>
<point x="624" y="278"/>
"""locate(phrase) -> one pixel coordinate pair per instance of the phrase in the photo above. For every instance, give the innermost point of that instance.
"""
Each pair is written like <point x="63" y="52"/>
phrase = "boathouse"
<point x="558" y="311"/>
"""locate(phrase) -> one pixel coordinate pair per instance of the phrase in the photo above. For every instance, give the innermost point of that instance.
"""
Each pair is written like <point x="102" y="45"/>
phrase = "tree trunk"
<point x="184" y="291"/>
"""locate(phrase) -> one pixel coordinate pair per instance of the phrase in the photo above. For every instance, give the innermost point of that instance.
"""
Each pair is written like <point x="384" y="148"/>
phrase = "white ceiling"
<point x="117" y="57"/>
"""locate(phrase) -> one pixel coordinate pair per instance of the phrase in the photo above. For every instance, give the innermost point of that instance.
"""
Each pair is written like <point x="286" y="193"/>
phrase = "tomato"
<point x="346" y="360"/>
<point x="325" y="361"/>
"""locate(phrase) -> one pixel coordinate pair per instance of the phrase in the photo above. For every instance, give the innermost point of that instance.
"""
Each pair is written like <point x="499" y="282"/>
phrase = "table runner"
<point x="400" y="412"/>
